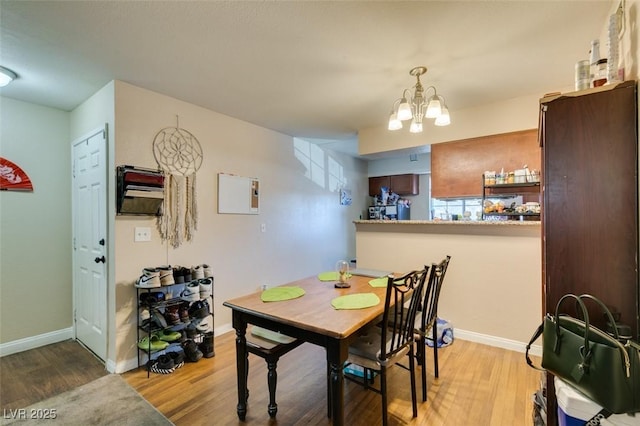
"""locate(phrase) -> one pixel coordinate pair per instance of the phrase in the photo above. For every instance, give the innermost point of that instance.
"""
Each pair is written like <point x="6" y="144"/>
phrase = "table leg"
<point x="241" y="364"/>
<point x="336" y="356"/>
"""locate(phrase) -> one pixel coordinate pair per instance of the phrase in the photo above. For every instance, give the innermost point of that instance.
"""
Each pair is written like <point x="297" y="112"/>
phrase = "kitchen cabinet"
<point x="456" y="165"/>
<point x="590" y="201"/>
<point x="407" y="184"/>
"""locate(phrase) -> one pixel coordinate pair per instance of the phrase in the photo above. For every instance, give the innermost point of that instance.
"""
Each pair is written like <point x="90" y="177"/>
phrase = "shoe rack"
<point x="158" y="301"/>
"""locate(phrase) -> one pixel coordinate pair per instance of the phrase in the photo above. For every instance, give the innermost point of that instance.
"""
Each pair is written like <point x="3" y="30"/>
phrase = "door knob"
<point x="100" y="259"/>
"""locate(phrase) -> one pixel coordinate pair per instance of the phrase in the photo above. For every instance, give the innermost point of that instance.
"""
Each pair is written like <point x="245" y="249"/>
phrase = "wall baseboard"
<point x="34" y="342"/>
<point x="499" y="342"/>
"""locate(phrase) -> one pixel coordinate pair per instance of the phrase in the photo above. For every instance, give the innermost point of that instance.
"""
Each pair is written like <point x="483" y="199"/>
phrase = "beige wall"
<point x="492" y="288"/>
<point x="35" y="240"/>
<point x="307" y="230"/>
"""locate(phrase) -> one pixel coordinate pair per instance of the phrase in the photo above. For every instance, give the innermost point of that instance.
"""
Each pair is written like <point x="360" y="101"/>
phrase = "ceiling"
<point x="319" y="70"/>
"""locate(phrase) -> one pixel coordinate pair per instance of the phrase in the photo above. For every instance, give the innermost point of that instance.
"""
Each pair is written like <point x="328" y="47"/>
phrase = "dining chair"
<point x="428" y="319"/>
<point x="379" y="348"/>
<point x="270" y="346"/>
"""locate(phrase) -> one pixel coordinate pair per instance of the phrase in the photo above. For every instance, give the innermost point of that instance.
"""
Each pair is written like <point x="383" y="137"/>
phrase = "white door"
<point x="89" y="242"/>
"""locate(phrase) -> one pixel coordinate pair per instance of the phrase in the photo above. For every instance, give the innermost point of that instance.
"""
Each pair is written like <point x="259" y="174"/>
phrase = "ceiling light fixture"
<point x="417" y="106"/>
<point x="6" y="76"/>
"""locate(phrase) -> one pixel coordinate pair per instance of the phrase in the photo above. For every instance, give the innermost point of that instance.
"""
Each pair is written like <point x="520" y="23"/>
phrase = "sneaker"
<point x="166" y="275"/>
<point x="197" y="272"/>
<point x="191" y="292"/>
<point x="191" y="331"/>
<point x="168" y="335"/>
<point x="151" y="298"/>
<point x="204" y="325"/>
<point x="201" y="271"/>
<point x="158" y="319"/>
<point x="164" y="364"/>
<point x="191" y="351"/>
<point x="207" y="350"/>
<point x="178" y="275"/>
<point x="171" y="315"/>
<point x="186" y="272"/>
<point x="183" y="311"/>
<point x="144" y="315"/>
<point x="152" y="344"/>
<point x="177" y="357"/>
<point x="208" y="273"/>
<point x="149" y="279"/>
<point x="206" y="285"/>
<point x="199" y="309"/>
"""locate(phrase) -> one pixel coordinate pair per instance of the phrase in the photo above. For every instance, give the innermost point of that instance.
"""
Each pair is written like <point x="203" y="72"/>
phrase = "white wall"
<point x="35" y="227"/>
<point x="307" y="230"/>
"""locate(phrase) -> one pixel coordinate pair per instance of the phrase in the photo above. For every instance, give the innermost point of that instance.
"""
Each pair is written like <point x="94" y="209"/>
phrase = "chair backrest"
<point x="432" y="293"/>
<point x="399" y="319"/>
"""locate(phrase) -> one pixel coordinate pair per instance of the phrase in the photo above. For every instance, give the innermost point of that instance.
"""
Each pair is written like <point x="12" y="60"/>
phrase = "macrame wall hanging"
<point x="179" y="154"/>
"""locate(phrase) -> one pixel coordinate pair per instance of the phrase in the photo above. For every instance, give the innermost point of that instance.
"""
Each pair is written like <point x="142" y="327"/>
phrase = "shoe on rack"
<point x="206" y="287"/>
<point x="162" y="365"/>
<point x="177" y="357"/>
<point x="191" y="331"/>
<point x="158" y="319"/>
<point x="166" y="275"/>
<point x="168" y="335"/>
<point x="143" y="314"/>
<point x="206" y="347"/>
<point x="199" y="309"/>
<point x="178" y="275"/>
<point x="204" y="325"/>
<point x="191" y="292"/>
<point x="208" y="272"/>
<point x="183" y="311"/>
<point x="187" y="274"/>
<point x="197" y="272"/>
<point x="151" y="298"/>
<point x="150" y="278"/>
<point x="191" y="351"/>
<point x="152" y="343"/>
<point x="171" y="315"/>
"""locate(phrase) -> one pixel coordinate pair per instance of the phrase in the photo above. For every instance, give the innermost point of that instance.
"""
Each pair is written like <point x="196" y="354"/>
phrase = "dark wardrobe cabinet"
<point x="590" y="201"/>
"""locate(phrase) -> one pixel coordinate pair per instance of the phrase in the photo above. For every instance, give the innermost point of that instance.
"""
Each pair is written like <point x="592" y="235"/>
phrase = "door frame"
<point x="108" y="237"/>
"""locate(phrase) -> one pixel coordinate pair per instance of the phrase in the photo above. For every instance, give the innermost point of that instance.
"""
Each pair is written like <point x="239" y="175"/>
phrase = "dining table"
<point x="312" y="318"/>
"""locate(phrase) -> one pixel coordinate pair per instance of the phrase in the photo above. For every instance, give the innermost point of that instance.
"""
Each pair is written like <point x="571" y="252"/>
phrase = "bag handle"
<point x="535" y="336"/>
<point x="605" y="310"/>
<point x="585" y="351"/>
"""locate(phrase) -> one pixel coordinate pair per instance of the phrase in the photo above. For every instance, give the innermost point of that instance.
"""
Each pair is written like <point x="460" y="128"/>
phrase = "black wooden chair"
<point x="271" y="346"/>
<point x="381" y="347"/>
<point x="427" y="320"/>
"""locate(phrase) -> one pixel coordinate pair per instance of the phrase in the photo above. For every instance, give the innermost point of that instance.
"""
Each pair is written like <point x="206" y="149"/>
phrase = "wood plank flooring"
<point x="478" y="385"/>
<point x="35" y="375"/>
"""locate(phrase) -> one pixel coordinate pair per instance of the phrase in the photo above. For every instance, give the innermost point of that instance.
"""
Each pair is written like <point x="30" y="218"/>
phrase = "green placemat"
<point x="379" y="282"/>
<point x="277" y="294"/>
<point x="329" y="276"/>
<point x="355" y="301"/>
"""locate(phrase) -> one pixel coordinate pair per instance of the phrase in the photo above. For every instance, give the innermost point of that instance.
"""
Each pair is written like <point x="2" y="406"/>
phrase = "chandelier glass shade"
<point x="415" y="107"/>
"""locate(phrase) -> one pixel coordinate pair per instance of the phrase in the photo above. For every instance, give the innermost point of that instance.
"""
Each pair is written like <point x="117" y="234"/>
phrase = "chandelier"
<point x="417" y="106"/>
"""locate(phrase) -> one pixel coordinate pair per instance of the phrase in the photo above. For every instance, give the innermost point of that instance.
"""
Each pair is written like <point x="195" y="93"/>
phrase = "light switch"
<point x="142" y="234"/>
<point x="263" y="227"/>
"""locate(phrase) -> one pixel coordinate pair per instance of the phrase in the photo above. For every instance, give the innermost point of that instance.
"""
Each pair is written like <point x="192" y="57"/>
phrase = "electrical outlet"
<point x="142" y="234"/>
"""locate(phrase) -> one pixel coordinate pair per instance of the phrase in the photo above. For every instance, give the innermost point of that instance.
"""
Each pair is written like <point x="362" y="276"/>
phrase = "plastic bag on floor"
<point x="444" y="333"/>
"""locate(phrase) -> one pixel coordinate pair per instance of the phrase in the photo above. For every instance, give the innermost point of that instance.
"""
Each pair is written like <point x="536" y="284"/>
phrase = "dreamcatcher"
<point x="179" y="154"/>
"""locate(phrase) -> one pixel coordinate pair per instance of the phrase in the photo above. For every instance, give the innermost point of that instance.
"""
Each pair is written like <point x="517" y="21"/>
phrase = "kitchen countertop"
<point x="452" y="222"/>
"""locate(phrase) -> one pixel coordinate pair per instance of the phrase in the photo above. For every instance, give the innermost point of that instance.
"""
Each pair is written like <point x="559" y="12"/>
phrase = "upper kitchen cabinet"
<point x="457" y="167"/>
<point x="407" y="184"/>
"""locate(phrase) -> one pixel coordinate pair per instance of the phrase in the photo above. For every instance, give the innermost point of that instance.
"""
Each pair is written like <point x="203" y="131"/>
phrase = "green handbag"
<point x="597" y="364"/>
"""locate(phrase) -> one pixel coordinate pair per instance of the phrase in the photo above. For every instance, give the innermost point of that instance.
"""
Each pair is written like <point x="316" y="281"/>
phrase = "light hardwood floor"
<point x="478" y="385"/>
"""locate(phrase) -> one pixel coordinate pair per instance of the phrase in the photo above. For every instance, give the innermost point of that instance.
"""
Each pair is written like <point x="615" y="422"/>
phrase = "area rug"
<point x="108" y="400"/>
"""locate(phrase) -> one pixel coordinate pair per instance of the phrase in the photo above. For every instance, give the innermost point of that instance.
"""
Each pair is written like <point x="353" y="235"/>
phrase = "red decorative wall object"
<point x="13" y="178"/>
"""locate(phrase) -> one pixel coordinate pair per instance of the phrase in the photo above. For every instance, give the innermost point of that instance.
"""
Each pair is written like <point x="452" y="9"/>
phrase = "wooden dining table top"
<point x="313" y="311"/>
